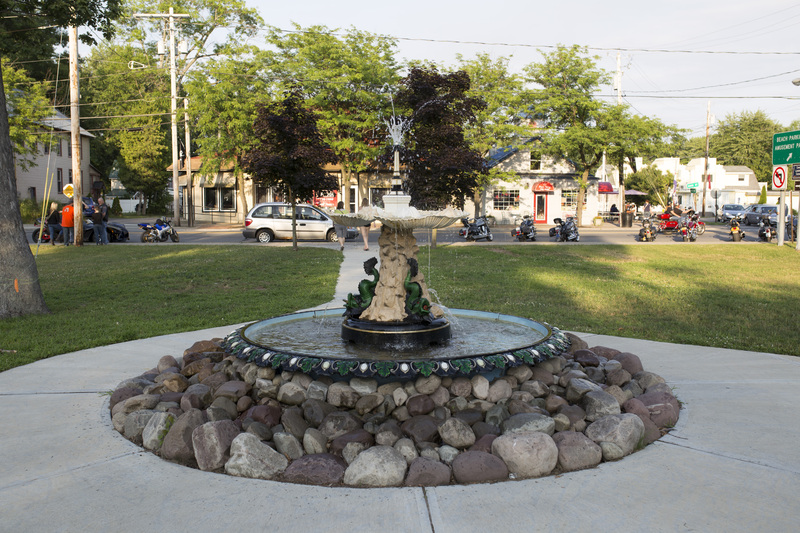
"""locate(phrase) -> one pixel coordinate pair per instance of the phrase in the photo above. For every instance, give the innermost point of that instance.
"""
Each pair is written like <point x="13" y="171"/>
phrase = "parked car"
<point x="270" y="221"/>
<point x="728" y="211"/>
<point x="754" y="213"/>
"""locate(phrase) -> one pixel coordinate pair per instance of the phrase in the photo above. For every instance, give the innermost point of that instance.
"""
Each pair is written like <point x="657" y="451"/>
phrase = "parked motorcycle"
<point x="736" y="231"/>
<point x="116" y="232"/>
<point x="767" y="229"/>
<point x="648" y="232"/>
<point x="526" y="231"/>
<point x="687" y="227"/>
<point x="668" y="223"/>
<point x="476" y="230"/>
<point x="159" y="232"/>
<point x="565" y="230"/>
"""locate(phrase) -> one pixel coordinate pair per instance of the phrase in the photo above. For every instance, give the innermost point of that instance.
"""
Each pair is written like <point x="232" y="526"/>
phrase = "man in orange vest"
<point x="68" y="223"/>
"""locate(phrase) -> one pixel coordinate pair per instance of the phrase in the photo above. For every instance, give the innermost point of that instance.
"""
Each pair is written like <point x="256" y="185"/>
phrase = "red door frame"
<point x="542" y="190"/>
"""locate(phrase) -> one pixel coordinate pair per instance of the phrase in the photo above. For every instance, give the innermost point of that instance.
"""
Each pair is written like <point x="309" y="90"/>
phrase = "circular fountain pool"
<point x="309" y="342"/>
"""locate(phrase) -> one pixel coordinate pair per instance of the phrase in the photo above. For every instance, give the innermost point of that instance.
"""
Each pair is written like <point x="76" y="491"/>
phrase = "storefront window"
<point x="219" y="199"/>
<point x="569" y="200"/>
<point x="505" y="200"/>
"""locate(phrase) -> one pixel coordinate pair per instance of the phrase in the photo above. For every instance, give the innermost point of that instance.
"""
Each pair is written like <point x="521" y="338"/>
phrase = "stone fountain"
<point x="391" y="328"/>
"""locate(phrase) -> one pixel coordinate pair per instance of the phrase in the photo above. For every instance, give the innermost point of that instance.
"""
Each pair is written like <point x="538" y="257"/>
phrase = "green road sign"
<point x="786" y="148"/>
<point x="693" y="186"/>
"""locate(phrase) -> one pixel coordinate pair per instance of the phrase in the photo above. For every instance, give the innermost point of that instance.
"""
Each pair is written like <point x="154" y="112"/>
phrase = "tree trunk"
<point x="20" y="293"/>
<point x="242" y="212"/>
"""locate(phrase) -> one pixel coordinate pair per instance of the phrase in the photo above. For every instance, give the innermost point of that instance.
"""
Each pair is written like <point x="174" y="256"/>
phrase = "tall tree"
<point x="345" y="79"/>
<point x="133" y="106"/>
<point x="564" y="96"/>
<point x="746" y="139"/>
<point x="631" y="136"/>
<point x="19" y="279"/>
<point x="224" y="94"/>
<point x="499" y="124"/>
<point x="444" y="168"/>
<point x="289" y="153"/>
<point x="28" y="106"/>
<point x="652" y="181"/>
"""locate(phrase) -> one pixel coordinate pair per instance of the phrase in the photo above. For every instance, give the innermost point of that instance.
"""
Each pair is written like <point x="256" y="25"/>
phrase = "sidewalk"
<point x="731" y="464"/>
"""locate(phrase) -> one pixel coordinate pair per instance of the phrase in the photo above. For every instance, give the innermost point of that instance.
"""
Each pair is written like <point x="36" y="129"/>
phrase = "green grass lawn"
<point x="102" y="295"/>
<point x="745" y="297"/>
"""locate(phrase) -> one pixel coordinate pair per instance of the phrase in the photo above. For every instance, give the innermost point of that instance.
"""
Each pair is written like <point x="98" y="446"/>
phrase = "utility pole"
<point x="188" y="166"/>
<point x="75" y="135"/>
<point x="705" y="175"/>
<point x="171" y="16"/>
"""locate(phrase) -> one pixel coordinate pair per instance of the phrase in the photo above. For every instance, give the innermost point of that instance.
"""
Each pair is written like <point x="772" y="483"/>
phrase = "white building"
<point x="544" y="187"/>
<point x="52" y="164"/>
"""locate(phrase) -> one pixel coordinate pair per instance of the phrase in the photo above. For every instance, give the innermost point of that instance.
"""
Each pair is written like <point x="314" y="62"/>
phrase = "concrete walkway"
<point x="731" y="464"/>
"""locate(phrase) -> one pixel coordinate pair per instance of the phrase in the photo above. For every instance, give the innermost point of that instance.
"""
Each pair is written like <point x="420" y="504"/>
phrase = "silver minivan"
<point x="270" y="221"/>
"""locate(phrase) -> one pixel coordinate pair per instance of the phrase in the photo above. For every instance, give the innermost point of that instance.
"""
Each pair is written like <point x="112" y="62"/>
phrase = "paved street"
<point x="605" y="234"/>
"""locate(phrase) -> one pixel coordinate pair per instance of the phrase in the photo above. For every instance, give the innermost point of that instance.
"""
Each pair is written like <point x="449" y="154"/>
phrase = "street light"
<point x="796" y="81"/>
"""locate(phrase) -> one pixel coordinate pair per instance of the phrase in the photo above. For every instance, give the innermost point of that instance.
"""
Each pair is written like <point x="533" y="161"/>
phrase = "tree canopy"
<point x="289" y="153"/>
<point x="746" y="139"/>
<point x="565" y="105"/>
<point x="443" y="167"/>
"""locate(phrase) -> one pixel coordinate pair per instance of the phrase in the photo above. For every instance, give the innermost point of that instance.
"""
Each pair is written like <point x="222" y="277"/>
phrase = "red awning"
<point x="605" y="186"/>
<point x="543" y="186"/>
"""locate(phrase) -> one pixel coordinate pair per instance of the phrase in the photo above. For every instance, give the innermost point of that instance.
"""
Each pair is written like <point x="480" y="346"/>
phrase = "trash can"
<point x="627" y="219"/>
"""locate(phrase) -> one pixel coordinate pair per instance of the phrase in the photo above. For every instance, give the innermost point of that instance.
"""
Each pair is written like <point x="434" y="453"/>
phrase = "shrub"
<point x="29" y="210"/>
<point x="763" y="198"/>
<point x="116" y="208"/>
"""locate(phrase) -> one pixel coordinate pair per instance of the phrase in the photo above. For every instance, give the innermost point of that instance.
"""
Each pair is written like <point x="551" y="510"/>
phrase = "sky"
<point x="666" y="70"/>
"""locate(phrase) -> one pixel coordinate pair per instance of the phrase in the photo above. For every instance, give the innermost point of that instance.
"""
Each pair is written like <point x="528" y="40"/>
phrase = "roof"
<point x="60" y="121"/>
<point x="498" y="155"/>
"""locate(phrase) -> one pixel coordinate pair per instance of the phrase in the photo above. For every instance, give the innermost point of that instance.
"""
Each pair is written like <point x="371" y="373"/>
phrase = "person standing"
<point x="104" y="220"/>
<point x="341" y="230"/>
<point x="97" y="221"/>
<point x="54" y="223"/>
<point x="646" y="208"/>
<point x="68" y="223"/>
<point x="364" y="229"/>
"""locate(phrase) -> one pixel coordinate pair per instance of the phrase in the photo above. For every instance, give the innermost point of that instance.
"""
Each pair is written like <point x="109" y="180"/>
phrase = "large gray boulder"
<point x="527" y="455"/>
<point x="576" y="451"/>
<point x="526" y="422"/>
<point x="379" y="466"/>
<point x="617" y="435"/>
<point x="456" y="433"/>
<point x="156" y="430"/>
<point x="252" y="458"/>
<point x="598" y="404"/>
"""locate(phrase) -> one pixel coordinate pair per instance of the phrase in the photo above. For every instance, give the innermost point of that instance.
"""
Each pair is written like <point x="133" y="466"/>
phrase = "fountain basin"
<point x="309" y="342"/>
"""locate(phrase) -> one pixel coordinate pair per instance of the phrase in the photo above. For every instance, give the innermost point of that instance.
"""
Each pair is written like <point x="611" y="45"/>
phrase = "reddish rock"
<point x="604" y="351"/>
<point x="317" y="469"/>
<point x="630" y="362"/>
<point x="586" y="358"/>
<point x="425" y="472"/>
<point x="421" y="428"/>
<point x="122" y="394"/>
<point x="484" y="444"/>
<point x="178" y="445"/>
<point x="269" y="415"/>
<point x="421" y="404"/>
<point x="479" y="467"/>
<point x="359" y="436"/>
